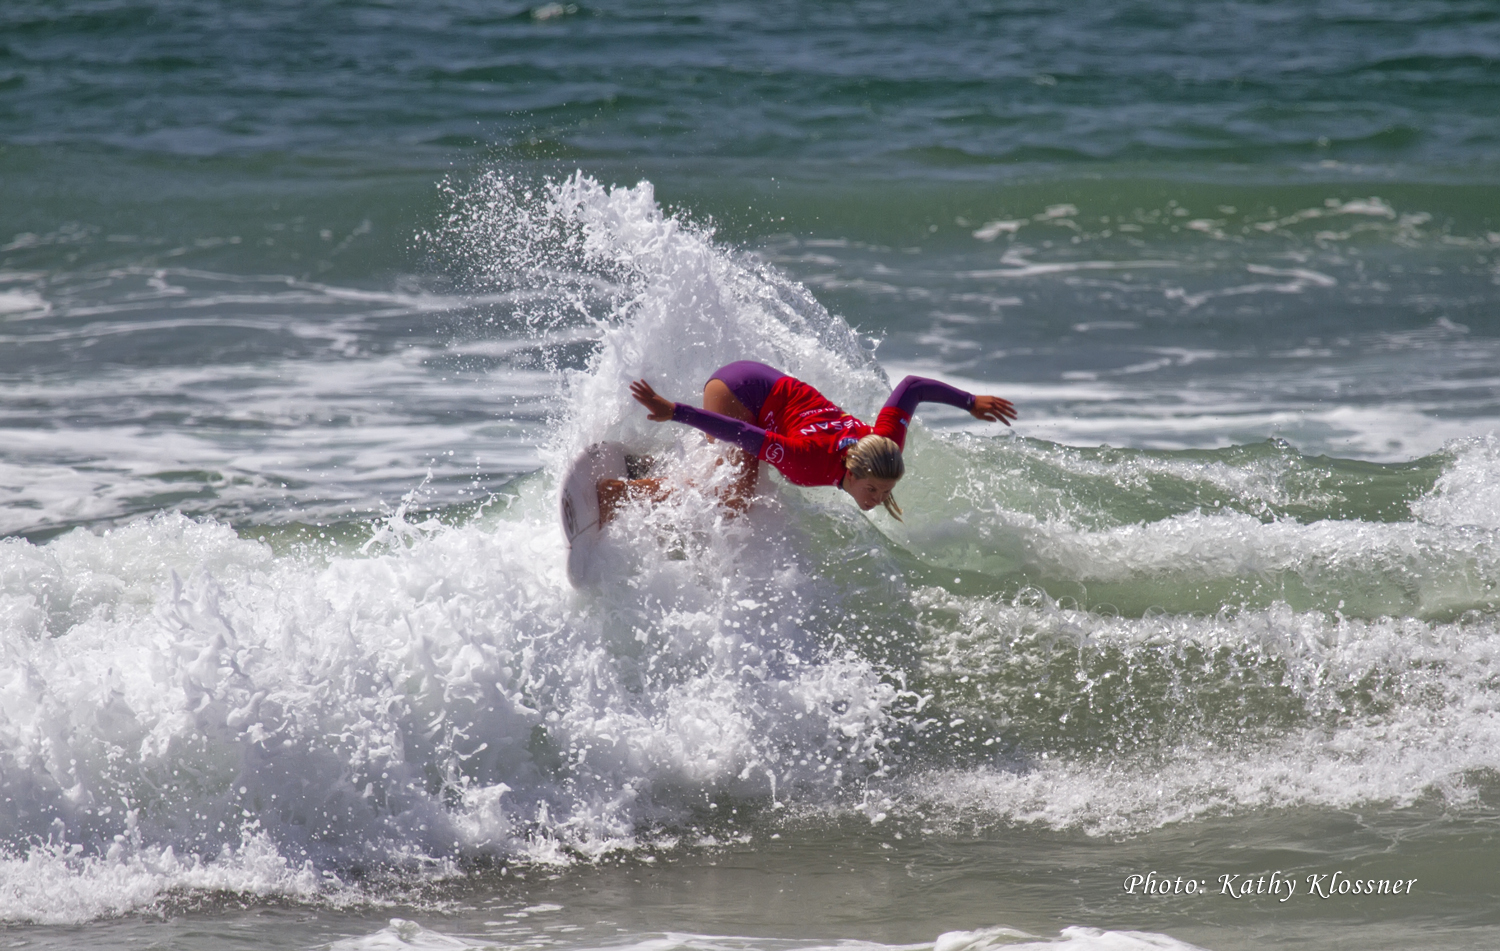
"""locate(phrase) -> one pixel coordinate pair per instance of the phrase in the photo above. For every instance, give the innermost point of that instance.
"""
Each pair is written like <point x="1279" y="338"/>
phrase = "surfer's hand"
<point x="994" y="409"/>
<point x="658" y="408"/>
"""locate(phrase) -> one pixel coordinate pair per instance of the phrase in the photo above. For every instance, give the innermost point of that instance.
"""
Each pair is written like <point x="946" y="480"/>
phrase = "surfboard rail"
<point x="578" y="506"/>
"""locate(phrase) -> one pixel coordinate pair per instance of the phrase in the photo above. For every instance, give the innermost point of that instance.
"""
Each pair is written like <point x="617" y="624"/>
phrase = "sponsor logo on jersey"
<point x="844" y="423"/>
<point x="845" y="443"/>
<point x="775" y="453"/>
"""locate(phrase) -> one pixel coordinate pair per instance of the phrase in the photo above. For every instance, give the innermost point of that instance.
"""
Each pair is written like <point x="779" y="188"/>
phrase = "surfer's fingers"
<point x="994" y="409"/>
<point x="643" y="393"/>
<point x="658" y="407"/>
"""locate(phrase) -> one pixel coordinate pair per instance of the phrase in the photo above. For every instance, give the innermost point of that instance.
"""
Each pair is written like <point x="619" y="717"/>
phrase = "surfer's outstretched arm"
<point x="919" y="389"/>
<point x="896" y="413"/>
<point x="747" y="436"/>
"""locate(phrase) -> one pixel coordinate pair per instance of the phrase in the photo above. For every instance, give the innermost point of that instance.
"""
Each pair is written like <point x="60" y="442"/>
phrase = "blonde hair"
<point x="880" y="458"/>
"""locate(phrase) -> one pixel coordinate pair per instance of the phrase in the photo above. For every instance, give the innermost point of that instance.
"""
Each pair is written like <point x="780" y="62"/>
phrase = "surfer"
<point x="769" y="415"/>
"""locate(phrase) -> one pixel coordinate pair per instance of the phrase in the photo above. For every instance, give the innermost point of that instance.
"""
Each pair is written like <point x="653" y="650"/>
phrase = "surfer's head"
<point x="873" y="467"/>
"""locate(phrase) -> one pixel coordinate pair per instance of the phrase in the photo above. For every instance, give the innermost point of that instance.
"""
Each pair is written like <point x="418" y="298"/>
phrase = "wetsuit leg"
<point x="738" y="391"/>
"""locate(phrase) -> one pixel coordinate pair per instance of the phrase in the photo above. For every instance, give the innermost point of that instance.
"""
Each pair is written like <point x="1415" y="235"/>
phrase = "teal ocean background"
<point x="305" y="307"/>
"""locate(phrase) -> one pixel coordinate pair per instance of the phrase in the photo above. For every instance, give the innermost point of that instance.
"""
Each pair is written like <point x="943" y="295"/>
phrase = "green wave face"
<point x="1136" y="531"/>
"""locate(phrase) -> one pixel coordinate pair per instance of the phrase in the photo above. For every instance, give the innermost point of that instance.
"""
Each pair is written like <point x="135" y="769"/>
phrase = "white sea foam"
<point x="16" y="304"/>
<point x="1343" y="759"/>
<point x="694" y="309"/>
<point x="174" y="686"/>
<point x="401" y="934"/>
<point x="1467" y="495"/>
<point x="322" y="435"/>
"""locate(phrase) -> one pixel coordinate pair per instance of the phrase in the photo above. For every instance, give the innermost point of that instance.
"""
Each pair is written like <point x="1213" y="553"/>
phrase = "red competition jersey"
<point x="807" y="436"/>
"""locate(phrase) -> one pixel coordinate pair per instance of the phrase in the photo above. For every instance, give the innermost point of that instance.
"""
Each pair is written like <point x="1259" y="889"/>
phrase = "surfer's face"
<point x="869" y="491"/>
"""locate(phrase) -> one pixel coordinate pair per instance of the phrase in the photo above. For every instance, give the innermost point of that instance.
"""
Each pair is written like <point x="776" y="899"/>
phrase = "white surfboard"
<point x="580" y="506"/>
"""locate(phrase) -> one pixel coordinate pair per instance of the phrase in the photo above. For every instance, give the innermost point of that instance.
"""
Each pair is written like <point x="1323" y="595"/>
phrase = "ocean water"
<point x="304" y="308"/>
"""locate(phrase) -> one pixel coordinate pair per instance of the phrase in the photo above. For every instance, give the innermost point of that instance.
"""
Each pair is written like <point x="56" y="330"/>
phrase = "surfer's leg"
<point x="741" y="488"/>
<point x="719" y="398"/>
<point x="614" y="493"/>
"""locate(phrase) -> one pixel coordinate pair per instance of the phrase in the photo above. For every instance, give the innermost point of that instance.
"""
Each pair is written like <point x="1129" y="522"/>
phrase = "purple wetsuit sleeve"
<point x="747" y="436"/>
<point x="918" y="389"/>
